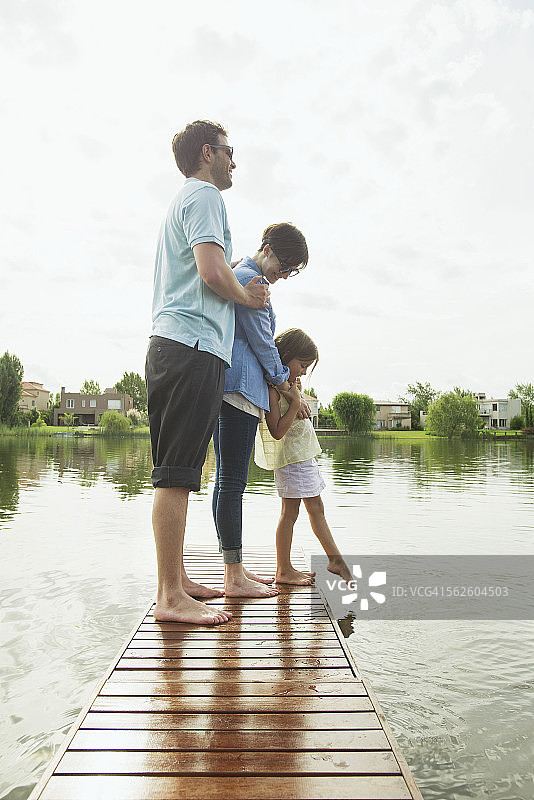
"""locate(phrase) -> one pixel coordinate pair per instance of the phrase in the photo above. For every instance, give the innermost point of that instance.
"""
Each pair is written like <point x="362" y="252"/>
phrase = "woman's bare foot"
<point x="186" y="609"/>
<point x="198" y="590"/>
<point x="337" y="566"/>
<point x="250" y="575"/>
<point x="295" y="577"/>
<point x="241" y="586"/>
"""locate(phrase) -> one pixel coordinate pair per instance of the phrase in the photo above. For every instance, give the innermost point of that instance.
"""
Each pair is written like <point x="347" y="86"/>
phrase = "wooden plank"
<point x="246" y="763"/>
<point x="231" y="651"/>
<point x="155" y="721"/>
<point x="140" y="643"/>
<point x="288" y="613"/>
<point x="263" y="626"/>
<point x="169" y="687"/>
<point x="232" y="663"/>
<point x="231" y="705"/>
<point x="236" y="788"/>
<point x="228" y="740"/>
<point x="235" y="675"/>
<point x="212" y="635"/>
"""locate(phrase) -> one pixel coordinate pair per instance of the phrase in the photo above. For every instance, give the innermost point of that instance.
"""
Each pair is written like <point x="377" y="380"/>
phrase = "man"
<point x="191" y="344"/>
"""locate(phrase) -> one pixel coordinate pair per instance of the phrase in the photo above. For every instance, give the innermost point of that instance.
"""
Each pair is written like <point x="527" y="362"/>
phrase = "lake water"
<point x="77" y="568"/>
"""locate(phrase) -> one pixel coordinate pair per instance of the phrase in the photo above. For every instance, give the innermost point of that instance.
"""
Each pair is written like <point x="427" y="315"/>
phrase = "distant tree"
<point x="133" y="384"/>
<point x="517" y="423"/>
<point x="326" y="416"/>
<point x="525" y="393"/>
<point x="90" y="387"/>
<point x="311" y="392"/>
<point x="114" y="423"/>
<point x="47" y="415"/>
<point x="11" y="372"/>
<point x="355" y="412"/>
<point x="69" y="420"/>
<point x="419" y="396"/>
<point x="139" y="419"/>
<point x="454" y="413"/>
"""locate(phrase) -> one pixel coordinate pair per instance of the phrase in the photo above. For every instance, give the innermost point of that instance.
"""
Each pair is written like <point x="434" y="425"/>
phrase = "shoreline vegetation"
<point x="24" y="431"/>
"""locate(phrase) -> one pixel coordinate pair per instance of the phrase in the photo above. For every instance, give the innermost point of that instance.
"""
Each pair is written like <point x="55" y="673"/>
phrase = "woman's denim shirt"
<point x="255" y="359"/>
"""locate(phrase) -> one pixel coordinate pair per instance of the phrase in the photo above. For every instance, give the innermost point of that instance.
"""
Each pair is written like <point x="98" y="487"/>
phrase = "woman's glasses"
<point x="284" y="270"/>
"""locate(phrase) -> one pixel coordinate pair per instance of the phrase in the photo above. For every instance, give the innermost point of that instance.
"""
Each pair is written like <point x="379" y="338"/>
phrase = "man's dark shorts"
<point x="185" y="387"/>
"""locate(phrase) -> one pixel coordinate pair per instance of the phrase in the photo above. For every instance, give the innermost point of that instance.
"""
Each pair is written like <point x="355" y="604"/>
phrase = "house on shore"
<point x="498" y="412"/>
<point x="88" y="408"/>
<point x="314" y="408"/>
<point x="33" y="395"/>
<point x="495" y="413"/>
<point x="392" y="416"/>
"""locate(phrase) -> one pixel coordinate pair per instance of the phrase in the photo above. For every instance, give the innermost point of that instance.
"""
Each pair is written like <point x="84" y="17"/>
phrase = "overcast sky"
<point x="397" y="135"/>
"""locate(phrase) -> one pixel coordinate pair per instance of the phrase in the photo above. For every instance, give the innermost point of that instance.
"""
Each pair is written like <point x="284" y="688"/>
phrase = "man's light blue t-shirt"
<point x="184" y="308"/>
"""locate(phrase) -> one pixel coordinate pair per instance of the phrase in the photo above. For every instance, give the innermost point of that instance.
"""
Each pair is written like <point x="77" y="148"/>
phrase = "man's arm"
<point x="216" y="273"/>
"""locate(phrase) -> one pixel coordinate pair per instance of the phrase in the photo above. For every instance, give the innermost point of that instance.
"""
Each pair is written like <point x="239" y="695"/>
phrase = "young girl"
<point x="289" y="446"/>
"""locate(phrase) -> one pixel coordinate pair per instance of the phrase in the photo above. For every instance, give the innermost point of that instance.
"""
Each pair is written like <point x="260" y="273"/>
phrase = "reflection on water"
<point x="77" y="568"/>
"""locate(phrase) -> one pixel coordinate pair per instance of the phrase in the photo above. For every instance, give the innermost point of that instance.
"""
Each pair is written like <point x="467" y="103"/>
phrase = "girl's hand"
<point x="293" y="395"/>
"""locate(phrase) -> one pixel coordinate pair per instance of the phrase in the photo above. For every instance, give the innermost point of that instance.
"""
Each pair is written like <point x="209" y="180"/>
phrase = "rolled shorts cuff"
<point x="169" y="477"/>
<point x="233" y="555"/>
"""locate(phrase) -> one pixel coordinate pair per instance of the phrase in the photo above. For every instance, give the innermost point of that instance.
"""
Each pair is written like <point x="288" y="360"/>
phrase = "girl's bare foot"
<point x="186" y="609"/>
<point x="250" y="575"/>
<point x="295" y="577"/>
<point x="241" y="586"/>
<point x="337" y="566"/>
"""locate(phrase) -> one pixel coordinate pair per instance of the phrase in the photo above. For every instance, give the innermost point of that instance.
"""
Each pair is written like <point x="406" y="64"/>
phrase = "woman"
<point x="255" y="364"/>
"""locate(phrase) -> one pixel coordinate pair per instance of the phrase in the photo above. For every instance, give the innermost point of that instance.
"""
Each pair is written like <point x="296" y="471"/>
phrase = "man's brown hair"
<point x="187" y="145"/>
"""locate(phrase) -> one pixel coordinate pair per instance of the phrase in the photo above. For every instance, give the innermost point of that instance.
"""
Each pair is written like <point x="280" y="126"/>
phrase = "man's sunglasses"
<point x="229" y="150"/>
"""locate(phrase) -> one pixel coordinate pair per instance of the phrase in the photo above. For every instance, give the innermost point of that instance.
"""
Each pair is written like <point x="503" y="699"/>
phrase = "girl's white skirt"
<point x="299" y="480"/>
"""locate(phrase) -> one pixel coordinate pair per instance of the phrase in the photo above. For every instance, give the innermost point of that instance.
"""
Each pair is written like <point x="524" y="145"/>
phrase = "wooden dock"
<point x="269" y="706"/>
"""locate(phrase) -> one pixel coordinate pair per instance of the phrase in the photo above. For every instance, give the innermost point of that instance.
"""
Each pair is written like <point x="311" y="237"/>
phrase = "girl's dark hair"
<point x="294" y="343"/>
<point x="187" y="145"/>
<point x="288" y="243"/>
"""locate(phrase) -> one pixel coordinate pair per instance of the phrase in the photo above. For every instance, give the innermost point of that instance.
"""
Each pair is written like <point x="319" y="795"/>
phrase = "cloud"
<point x="38" y="29"/>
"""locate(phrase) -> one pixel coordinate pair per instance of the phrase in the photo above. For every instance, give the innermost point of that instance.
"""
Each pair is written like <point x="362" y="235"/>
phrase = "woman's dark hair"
<point x="288" y="243"/>
<point x="294" y="343"/>
<point x="187" y="145"/>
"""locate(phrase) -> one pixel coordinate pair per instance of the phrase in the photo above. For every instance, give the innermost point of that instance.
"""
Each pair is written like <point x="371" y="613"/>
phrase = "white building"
<point x="498" y="412"/>
<point x="33" y="395"/>
<point x="495" y="412"/>
<point x="390" y="416"/>
<point x="314" y="408"/>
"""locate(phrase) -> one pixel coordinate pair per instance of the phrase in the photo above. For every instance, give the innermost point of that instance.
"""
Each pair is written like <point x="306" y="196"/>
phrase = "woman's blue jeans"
<point x="233" y="439"/>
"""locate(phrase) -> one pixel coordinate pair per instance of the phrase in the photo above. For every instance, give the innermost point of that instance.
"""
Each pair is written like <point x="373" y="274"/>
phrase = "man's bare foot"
<point x="186" y="609"/>
<point x="337" y="566"/>
<point x="295" y="577"/>
<point x="198" y="590"/>
<point x="244" y="587"/>
<point x="250" y="575"/>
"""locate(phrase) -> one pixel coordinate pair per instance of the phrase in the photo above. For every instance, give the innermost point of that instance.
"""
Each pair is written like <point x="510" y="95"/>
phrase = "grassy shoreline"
<point x="61" y="430"/>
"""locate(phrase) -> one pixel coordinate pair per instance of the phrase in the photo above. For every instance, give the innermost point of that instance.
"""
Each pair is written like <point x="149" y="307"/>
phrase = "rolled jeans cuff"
<point x="233" y="555"/>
